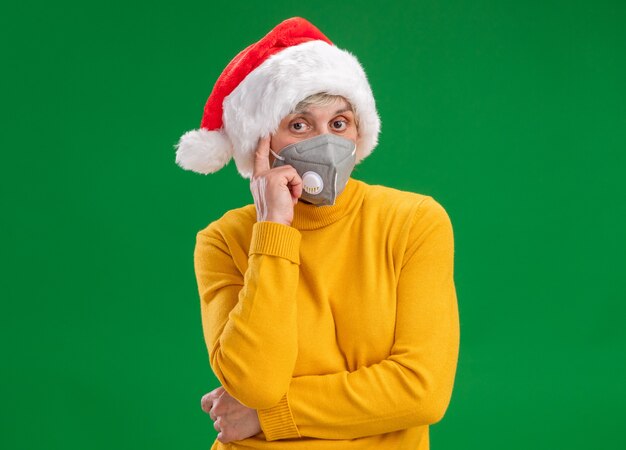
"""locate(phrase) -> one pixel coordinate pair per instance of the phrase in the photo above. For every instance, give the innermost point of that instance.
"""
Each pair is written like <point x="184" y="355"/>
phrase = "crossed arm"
<point x="411" y="387"/>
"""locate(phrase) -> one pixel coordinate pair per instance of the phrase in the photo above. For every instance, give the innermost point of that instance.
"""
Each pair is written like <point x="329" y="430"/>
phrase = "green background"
<point x="511" y="114"/>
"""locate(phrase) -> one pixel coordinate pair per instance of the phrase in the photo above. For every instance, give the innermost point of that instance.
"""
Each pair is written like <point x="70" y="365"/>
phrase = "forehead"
<point x="334" y="107"/>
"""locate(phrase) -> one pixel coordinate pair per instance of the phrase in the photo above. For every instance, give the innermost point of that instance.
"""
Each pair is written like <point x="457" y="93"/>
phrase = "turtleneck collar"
<point x="311" y="217"/>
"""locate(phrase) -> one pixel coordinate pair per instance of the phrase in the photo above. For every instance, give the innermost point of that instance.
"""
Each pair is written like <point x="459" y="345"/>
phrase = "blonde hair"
<point x="324" y="99"/>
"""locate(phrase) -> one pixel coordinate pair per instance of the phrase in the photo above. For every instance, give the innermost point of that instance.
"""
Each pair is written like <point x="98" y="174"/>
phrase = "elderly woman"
<point x="328" y="306"/>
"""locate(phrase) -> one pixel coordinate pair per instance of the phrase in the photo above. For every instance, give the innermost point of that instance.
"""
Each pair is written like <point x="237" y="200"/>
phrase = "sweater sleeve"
<point x="413" y="385"/>
<point x="249" y="320"/>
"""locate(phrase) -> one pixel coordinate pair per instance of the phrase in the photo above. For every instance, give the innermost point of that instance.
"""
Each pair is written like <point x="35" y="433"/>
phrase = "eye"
<point x="298" y="126"/>
<point x="340" y="125"/>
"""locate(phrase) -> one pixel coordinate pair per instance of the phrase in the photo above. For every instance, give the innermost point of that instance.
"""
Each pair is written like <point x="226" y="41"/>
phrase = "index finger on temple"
<point x="261" y="157"/>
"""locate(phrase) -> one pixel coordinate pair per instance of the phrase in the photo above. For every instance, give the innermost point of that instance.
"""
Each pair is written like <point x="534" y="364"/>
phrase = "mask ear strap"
<point x="277" y="156"/>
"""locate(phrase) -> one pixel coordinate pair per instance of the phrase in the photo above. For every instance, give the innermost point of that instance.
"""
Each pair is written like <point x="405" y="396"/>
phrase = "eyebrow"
<point x="307" y="113"/>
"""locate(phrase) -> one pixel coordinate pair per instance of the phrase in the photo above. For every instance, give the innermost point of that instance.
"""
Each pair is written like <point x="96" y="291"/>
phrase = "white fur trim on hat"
<point x="203" y="151"/>
<point x="257" y="105"/>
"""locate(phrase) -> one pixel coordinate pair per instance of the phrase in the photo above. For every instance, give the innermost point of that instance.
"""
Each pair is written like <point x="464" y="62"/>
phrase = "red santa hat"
<point x="263" y="84"/>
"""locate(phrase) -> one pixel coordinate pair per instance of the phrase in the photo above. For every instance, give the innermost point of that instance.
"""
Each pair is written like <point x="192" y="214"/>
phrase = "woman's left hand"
<point x="231" y="419"/>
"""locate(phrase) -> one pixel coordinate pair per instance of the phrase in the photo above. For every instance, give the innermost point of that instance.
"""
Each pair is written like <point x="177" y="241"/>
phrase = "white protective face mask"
<point x="324" y="163"/>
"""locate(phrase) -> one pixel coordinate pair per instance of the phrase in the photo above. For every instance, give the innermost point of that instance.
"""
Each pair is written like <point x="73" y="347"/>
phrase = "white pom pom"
<point x="203" y="151"/>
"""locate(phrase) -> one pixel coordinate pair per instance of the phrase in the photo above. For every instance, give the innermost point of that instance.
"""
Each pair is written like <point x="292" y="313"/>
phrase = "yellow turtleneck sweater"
<point x="341" y="330"/>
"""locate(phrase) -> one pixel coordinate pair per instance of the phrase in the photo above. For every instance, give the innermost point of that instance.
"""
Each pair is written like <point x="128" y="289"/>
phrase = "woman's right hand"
<point x="275" y="191"/>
